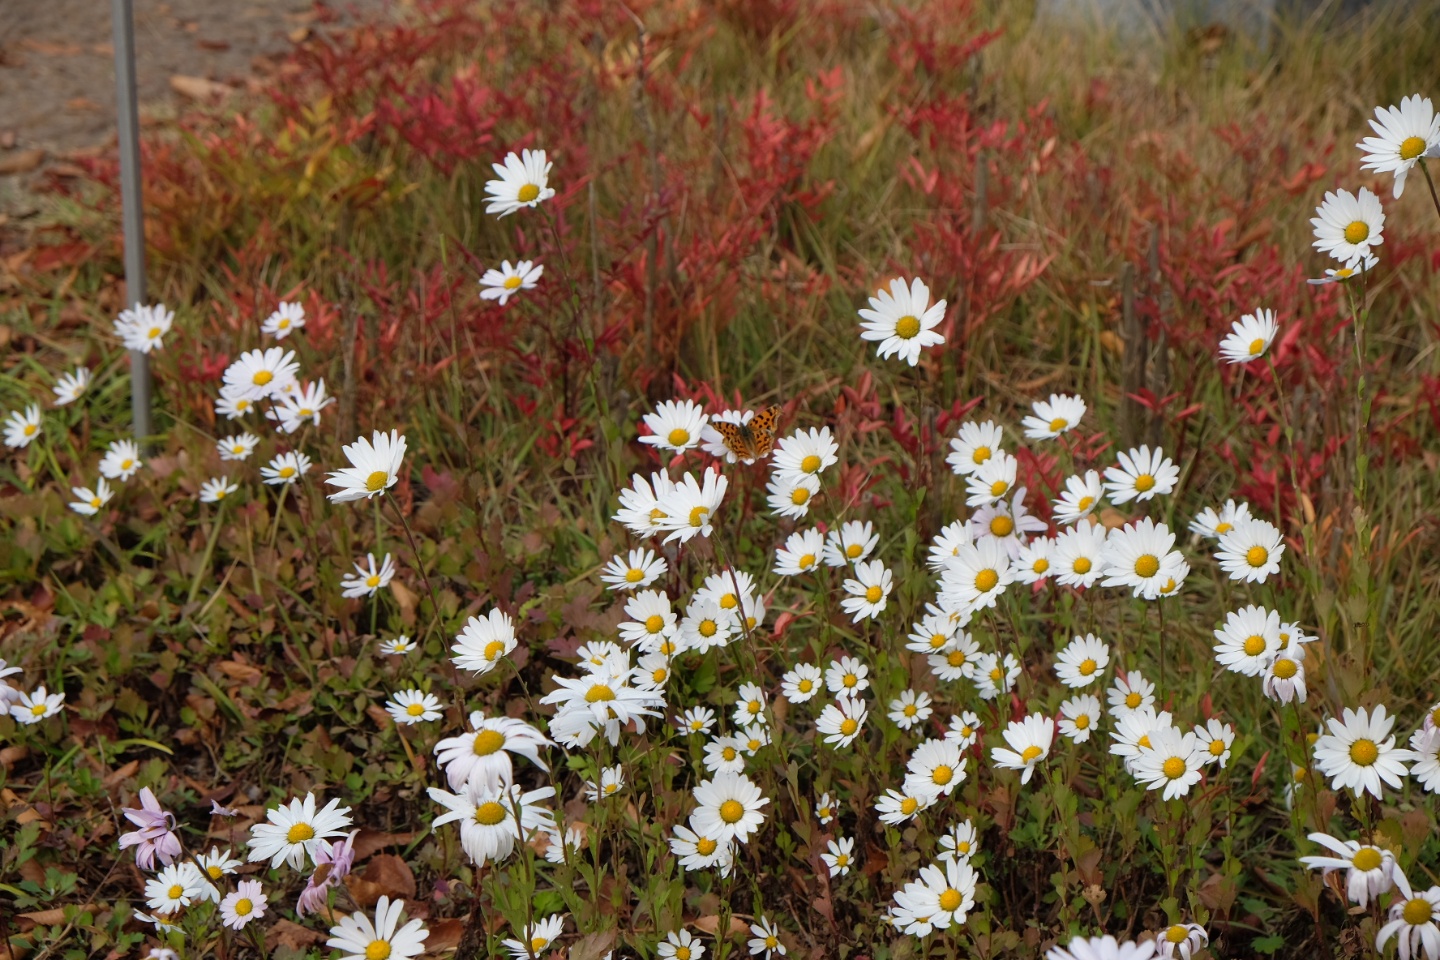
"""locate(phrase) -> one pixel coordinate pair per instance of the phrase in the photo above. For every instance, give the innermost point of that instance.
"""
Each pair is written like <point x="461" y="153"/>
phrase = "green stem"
<point x="209" y="552"/>
<point x="1434" y="198"/>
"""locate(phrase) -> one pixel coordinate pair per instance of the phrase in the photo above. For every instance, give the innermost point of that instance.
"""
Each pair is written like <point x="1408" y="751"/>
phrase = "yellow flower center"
<point x="1144" y="482"/>
<point x="942" y="775"/>
<point x="705" y="846"/>
<point x="511" y="283"/>
<point x="1257" y="346"/>
<point x="667" y="647"/>
<point x="810" y="464"/>
<point x="853" y="551"/>
<point x="1002" y="526"/>
<point x="1357" y="232"/>
<point x="30" y="429"/>
<point x="678" y="437"/>
<point x="1223" y="528"/>
<point x="998" y="488"/>
<point x="1177" y="934"/>
<point x="1217" y="748"/>
<point x="909" y="805"/>
<point x="634" y="575"/>
<point x="1254" y="645"/>
<point x="1087" y="667"/>
<point x="286" y="472"/>
<point x="1030" y="753"/>
<point x="528" y="193"/>
<point x="654" y="623"/>
<point x="153" y="332"/>
<point x="1058" y="424"/>
<point x="1133" y="700"/>
<point x="1082" y="722"/>
<point x="1257" y="556"/>
<point x="299" y="833"/>
<point x="981" y="454"/>
<point x="416" y="709"/>
<point x="909" y="710"/>
<point x="126" y="464"/>
<point x="708" y="628"/>
<point x="799" y="496"/>
<point x="1174" y="768"/>
<point x="262" y="377"/>
<point x="729" y="602"/>
<point x="220" y="493"/>
<point x="938" y="640"/>
<point x="907" y="327"/>
<point x="1435" y="717"/>
<point x="242" y="907"/>
<point x="1144" y="741"/>
<point x="372" y="581"/>
<point x="1364" y="752"/>
<point x="698" y="516"/>
<point x="657" y="515"/>
<point x="951" y="899"/>
<point x="842" y="860"/>
<point x="489" y="813"/>
<point x="873" y="594"/>
<point x="1085" y="503"/>
<point x="95" y="502"/>
<point x="284" y="323"/>
<point x="487" y="742"/>
<point x="1366" y="859"/>
<point x="599" y="693"/>
<point x="215" y="872"/>
<point x="1041" y="565"/>
<point x="963" y="847"/>
<point x="770" y="942"/>
<point x="997" y="675"/>
<point x="175" y="892"/>
<point x="729" y="753"/>
<point x="682" y="953"/>
<point x="956" y="658"/>
<point x="376" y="481"/>
<point x="805" y="686"/>
<point x="1417" y="912"/>
<point x="538" y="943"/>
<point x="1285" y="668"/>
<point x="1147" y="565"/>
<point x="986" y="580"/>
<point x="807" y="561"/>
<point x="753" y="707"/>
<point x="494" y="650"/>
<point x="1082" y="565"/>
<point x="849" y="725"/>
<point x="377" y="950"/>
<point x="731" y="811"/>
<point x="1411" y="147"/>
<point x="658" y="675"/>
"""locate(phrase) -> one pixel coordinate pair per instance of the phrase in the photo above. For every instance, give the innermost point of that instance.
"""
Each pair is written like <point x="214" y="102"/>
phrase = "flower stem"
<point x="1434" y="198"/>
<point x="209" y="552"/>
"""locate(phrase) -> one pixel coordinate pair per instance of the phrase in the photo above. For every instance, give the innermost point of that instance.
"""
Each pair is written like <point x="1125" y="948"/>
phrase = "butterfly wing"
<point x="736" y="438"/>
<point x="762" y="430"/>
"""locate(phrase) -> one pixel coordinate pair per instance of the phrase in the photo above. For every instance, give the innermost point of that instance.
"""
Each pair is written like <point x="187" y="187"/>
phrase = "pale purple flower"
<point x="156" y="836"/>
<point x="218" y="811"/>
<point x="333" y="862"/>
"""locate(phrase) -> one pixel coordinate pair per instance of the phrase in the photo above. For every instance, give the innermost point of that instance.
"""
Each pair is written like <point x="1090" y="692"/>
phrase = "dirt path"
<point x="57" y="72"/>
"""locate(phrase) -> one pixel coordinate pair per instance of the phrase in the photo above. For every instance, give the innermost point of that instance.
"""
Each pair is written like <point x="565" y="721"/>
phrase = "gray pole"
<point x="128" y="122"/>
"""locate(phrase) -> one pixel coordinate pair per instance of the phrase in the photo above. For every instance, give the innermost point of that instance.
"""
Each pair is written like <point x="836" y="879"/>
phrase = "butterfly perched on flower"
<point x="753" y="440"/>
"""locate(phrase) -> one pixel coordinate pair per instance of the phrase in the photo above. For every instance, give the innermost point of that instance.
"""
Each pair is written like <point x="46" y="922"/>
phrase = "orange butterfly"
<point x="753" y="440"/>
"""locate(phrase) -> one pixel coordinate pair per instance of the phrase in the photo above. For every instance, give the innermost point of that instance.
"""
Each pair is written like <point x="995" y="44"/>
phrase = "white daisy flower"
<point x="1182" y="940"/>
<point x="1083" y="661"/>
<point x="1079" y="555"/>
<point x="1172" y="764"/>
<point x="651" y="619"/>
<point x="69" y="386"/>
<point x="936" y="767"/>
<point x="523" y="183"/>
<point x="602" y="701"/>
<point x="675" y="425"/>
<point x="728" y="588"/>
<point x="367" y="580"/>
<point x="1214" y="524"/>
<point x="910" y="708"/>
<point x="481" y="756"/>
<point x="260" y="374"/>
<point x="994" y="675"/>
<point x="698" y="851"/>
<point x="690" y="507"/>
<point x="1425" y="748"/>
<point x="789" y="495"/>
<point x="825" y="808"/>
<point x="933" y="634"/>
<point x="696" y="720"/>
<point x="868" y="592"/>
<point x="22" y="428"/>
<point x="1284" y="678"/>
<point x="1008" y="524"/>
<point x="414" y="706"/>
<point x="680" y="945"/>
<point x="1102" y="948"/>
<point x="237" y="447"/>
<point x="293" y="830"/>
<point x="358" y="939"/>
<point x="1078" y="717"/>
<point x="640" y="504"/>
<point x="1061" y="413"/>
<point x="640" y="569"/>
<point x="1249" y="640"/>
<point x="977" y="575"/>
<point x="943" y="895"/>
<point x="960" y="842"/>
<point x="88" y="502"/>
<point x="1369" y="869"/>
<point x="847" y="676"/>
<point x="1359" y="752"/>
<point x="612" y="781"/>
<point x="706" y="624"/>
<point x="285" y="468"/>
<point x="484" y="642"/>
<point x="1130" y="691"/>
<point x="287" y="318"/>
<point x="1140" y="475"/>
<point x="536" y="938"/>
<point x="894" y="807"/>
<point x="232" y="404"/>
<point x="398" y="646"/>
<point x="851" y="543"/>
<point x="1215" y="738"/>
<point x="502" y="284"/>
<point x="749" y="705"/>
<point x="765" y="938"/>
<point x="1413" y="917"/>
<point x="175" y="887"/>
<point x="143" y="327"/>
<point x="964" y="729"/>
<point x="1348" y="226"/>
<point x="729" y="807"/>
<point x="839" y="856"/>
<point x="903" y="320"/>
<point x="946" y="545"/>
<point x="1249" y="337"/>
<point x="488" y="828"/>
<point x="216" y="489"/>
<point x="245" y="903"/>
<point x="800" y="683"/>
<point x="805" y="452"/>
<point x="652" y="670"/>
<point x="121" y="460"/>
<point x="300" y="406"/>
<point x="1406" y="133"/>
<point x="374" y="467"/>
<point x="842" y="721"/>
<point x="1133" y="731"/>
<point x="1029" y="740"/>
<point x="993" y="481"/>
<point x="958" y="660"/>
<point x="1080" y="497"/>
<point x="1032" y="564"/>
<point x="1370" y="262"/>
<point x="724" y="755"/>
<point x="975" y="444"/>
<point x="800" y="553"/>
<point x="35" y="706"/>
<point x="1251" y="551"/>
<point x="1141" y="556"/>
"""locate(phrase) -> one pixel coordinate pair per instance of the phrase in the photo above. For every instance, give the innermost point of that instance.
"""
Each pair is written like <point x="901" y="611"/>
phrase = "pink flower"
<point x="156" y="837"/>
<point x="332" y="863"/>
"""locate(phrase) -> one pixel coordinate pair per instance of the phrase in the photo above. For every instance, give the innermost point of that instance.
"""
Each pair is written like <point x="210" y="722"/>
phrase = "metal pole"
<point x="127" y="119"/>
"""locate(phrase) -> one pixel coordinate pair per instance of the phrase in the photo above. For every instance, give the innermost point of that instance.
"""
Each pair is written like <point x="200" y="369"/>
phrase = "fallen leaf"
<point x="370" y="841"/>
<point x="244" y="672"/>
<point x="198" y="88"/>
<point x="49" y="918"/>
<point x="444" y="935"/>
<point x="710" y="923"/>
<point x="21" y="162"/>
<point x="293" y="935"/>
<point x="122" y="773"/>
<point x="593" y="947"/>
<point x="385" y="876"/>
